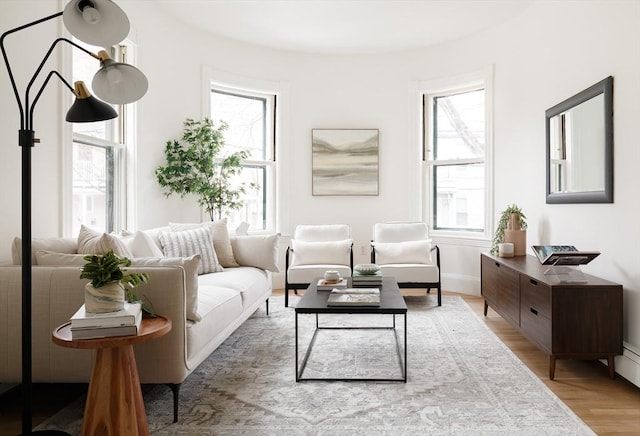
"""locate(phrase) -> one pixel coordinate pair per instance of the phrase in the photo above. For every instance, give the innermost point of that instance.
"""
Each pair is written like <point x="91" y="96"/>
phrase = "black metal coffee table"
<point x="391" y="303"/>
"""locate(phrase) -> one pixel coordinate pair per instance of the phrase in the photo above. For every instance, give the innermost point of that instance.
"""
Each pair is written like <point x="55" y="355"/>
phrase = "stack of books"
<point x="125" y="322"/>
<point x="328" y="285"/>
<point x="354" y="297"/>
<point x="360" y="280"/>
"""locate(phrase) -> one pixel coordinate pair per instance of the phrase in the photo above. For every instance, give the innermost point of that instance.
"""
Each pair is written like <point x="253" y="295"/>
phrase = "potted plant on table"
<point x="193" y="167"/>
<point x="110" y="285"/>
<point x="511" y="227"/>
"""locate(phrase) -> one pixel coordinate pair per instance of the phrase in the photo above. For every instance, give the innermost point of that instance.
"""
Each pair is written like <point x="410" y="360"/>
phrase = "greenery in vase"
<point x="193" y="167"/>
<point x="103" y="269"/>
<point x="503" y="224"/>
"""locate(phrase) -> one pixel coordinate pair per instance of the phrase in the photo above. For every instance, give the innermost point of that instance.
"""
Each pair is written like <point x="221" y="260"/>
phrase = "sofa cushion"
<point x="250" y="282"/>
<point x="403" y="252"/>
<point x="49" y="258"/>
<point x="260" y="251"/>
<point x="190" y="266"/>
<point x="313" y="253"/>
<point x="92" y="242"/>
<point x="411" y="273"/>
<point x="189" y="242"/>
<point x="58" y="245"/>
<point x="219" y="239"/>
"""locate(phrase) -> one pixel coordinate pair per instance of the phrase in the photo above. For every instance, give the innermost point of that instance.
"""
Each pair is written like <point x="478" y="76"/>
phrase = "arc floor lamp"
<point x="99" y="23"/>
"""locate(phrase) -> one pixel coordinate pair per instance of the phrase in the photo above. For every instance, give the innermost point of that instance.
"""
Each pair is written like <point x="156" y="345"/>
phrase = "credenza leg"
<point x="611" y="362"/>
<point x="552" y="367"/>
<point x="486" y="307"/>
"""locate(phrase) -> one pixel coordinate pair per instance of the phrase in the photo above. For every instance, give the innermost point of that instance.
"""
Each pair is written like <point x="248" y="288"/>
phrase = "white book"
<point x="130" y="315"/>
<point x="105" y="332"/>
<point x="374" y="291"/>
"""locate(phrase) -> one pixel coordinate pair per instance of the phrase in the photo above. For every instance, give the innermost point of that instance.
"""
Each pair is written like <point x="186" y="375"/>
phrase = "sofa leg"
<point x="286" y="297"/>
<point x="175" y="388"/>
<point x="267" y="303"/>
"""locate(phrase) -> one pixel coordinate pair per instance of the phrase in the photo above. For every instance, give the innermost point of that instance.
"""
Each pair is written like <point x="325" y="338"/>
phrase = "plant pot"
<point x="105" y="299"/>
<point x="519" y="240"/>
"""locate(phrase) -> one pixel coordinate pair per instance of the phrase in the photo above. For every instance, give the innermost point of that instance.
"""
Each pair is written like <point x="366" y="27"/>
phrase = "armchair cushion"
<point x="418" y="252"/>
<point x="322" y="233"/>
<point x="399" y="232"/>
<point x="313" y="253"/>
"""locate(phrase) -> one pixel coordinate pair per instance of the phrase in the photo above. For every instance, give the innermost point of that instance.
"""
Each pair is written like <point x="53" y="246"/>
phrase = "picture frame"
<point x="345" y="161"/>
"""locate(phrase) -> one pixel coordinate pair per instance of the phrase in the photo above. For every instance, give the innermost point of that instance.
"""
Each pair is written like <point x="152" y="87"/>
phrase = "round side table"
<point x="114" y="401"/>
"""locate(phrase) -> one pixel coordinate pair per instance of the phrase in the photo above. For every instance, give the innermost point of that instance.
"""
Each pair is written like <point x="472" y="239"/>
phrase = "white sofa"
<point x="204" y="309"/>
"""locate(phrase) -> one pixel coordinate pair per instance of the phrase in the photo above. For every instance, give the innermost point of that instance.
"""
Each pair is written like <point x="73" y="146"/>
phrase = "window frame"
<point x="272" y="91"/>
<point x="124" y="133"/>
<point x="427" y="90"/>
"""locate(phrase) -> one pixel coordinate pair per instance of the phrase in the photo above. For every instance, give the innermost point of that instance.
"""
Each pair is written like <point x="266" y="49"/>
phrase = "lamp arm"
<point x="8" y="65"/>
<point x="35" y="75"/>
<point x="44" y="84"/>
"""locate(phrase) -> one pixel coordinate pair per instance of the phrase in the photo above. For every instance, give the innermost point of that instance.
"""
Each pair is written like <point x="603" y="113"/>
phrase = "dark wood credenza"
<point x="566" y="320"/>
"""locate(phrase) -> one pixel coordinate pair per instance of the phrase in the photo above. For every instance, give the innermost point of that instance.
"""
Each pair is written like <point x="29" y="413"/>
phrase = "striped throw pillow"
<point x="189" y="242"/>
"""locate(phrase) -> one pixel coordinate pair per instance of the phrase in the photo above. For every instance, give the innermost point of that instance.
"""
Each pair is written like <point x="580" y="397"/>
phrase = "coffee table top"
<point x="391" y="301"/>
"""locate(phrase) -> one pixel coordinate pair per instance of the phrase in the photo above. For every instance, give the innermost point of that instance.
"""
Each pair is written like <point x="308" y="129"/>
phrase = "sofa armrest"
<point x="57" y="292"/>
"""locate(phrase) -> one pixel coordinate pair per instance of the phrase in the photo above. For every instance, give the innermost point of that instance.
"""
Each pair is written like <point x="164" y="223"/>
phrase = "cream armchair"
<point x="404" y="251"/>
<point x="315" y="249"/>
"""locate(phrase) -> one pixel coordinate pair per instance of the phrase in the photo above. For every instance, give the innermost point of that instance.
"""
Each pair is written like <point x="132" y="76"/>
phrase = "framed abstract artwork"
<point x="345" y="161"/>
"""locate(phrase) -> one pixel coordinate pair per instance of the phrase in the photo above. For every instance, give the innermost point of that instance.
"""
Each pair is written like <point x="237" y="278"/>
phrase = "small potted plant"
<point x="110" y="285"/>
<point x="513" y="224"/>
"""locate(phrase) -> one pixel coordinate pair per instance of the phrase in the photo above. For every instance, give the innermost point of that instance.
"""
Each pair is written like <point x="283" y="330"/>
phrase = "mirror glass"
<point x="580" y="147"/>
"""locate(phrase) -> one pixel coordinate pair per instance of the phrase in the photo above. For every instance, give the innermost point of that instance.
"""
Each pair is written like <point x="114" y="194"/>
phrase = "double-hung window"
<point x="456" y="142"/>
<point x="250" y="117"/>
<point x="98" y="196"/>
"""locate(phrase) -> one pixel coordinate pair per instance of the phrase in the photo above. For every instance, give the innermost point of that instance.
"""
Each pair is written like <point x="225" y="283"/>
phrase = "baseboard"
<point x="462" y="284"/>
<point x="628" y="365"/>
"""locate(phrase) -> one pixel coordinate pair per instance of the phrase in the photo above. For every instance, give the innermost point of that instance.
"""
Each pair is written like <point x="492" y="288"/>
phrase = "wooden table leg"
<point x="552" y="367"/>
<point x="114" y="402"/>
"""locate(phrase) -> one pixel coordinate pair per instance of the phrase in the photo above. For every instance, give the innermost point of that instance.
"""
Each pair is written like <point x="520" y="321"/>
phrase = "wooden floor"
<point x="609" y="407"/>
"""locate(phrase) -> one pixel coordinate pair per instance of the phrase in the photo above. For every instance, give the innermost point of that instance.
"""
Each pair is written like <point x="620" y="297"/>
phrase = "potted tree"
<point x="110" y="285"/>
<point x="193" y="167"/>
<point x="511" y="227"/>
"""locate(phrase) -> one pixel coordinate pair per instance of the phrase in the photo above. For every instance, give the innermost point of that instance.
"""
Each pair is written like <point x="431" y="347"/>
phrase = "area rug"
<point x="461" y="380"/>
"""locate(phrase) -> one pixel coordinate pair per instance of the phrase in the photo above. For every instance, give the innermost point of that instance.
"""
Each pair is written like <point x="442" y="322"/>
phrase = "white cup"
<point x="332" y="276"/>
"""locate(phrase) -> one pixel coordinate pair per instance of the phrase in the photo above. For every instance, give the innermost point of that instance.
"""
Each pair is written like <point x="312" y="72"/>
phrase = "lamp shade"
<point x="87" y="108"/>
<point x="96" y="22"/>
<point x="117" y="82"/>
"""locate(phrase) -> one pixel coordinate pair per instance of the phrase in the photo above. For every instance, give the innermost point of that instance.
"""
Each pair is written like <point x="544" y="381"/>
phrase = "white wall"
<point x="550" y="52"/>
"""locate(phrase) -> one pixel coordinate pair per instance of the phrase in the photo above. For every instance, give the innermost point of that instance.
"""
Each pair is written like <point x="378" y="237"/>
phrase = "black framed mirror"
<point x="579" y="134"/>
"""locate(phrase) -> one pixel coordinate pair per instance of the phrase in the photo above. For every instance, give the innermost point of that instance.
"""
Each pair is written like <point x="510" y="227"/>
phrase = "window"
<point x="98" y="161"/>
<point x="456" y="147"/>
<point x="250" y="117"/>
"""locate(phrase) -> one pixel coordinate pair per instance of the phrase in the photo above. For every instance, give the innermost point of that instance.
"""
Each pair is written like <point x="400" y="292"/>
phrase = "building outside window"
<point x="456" y="148"/>
<point x="98" y="188"/>
<point x="250" y="117"/>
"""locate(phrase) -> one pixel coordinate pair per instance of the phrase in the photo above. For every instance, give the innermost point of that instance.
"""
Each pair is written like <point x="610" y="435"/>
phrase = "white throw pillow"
<point x="260" y="251"/>
<point x="141" y="245"/>
<point x="44" y="257"/>
<point x="315" y="253"/>
<point x="190" y="265"/>
<point x="92" y="242"/>
<point x="219" y="238"/>
<point x="403" y="252"/>
<point x="190" y="242"/>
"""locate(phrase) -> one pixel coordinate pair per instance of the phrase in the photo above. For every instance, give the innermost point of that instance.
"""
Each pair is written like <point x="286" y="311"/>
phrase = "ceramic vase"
<point x="107" y="298"/>
<point x="516" y="236"/>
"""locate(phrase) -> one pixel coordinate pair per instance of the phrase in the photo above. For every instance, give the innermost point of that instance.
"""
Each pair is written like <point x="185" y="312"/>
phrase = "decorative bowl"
<point x="366" y="268"/>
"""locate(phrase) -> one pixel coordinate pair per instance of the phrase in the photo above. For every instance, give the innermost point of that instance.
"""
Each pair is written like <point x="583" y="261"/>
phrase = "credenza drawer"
<point x="536" y="327"/>
<point x="535" y="296"/>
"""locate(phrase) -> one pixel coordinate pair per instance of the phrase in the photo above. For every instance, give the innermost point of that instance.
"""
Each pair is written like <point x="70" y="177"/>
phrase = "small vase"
<point x="107" y="298"/>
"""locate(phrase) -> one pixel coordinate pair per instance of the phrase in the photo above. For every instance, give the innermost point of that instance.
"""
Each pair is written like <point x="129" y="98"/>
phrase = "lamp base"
<point x="50" y="433"/>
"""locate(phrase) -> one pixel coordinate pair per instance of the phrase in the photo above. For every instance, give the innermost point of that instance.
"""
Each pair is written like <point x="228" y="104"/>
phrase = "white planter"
<point x="107" y="298"/>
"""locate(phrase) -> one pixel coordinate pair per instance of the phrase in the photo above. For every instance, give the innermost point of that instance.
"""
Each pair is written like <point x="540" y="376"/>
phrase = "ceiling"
<point x="343" y="26"/>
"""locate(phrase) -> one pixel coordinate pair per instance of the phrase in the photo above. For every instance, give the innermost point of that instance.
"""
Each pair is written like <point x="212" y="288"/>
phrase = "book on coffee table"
<point x="354" y="297"/>
<point x="328" y="285"/>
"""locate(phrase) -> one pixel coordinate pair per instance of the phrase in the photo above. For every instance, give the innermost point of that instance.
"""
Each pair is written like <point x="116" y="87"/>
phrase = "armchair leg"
<point x="439" y="296"/>
<point x="286" y="297"/>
